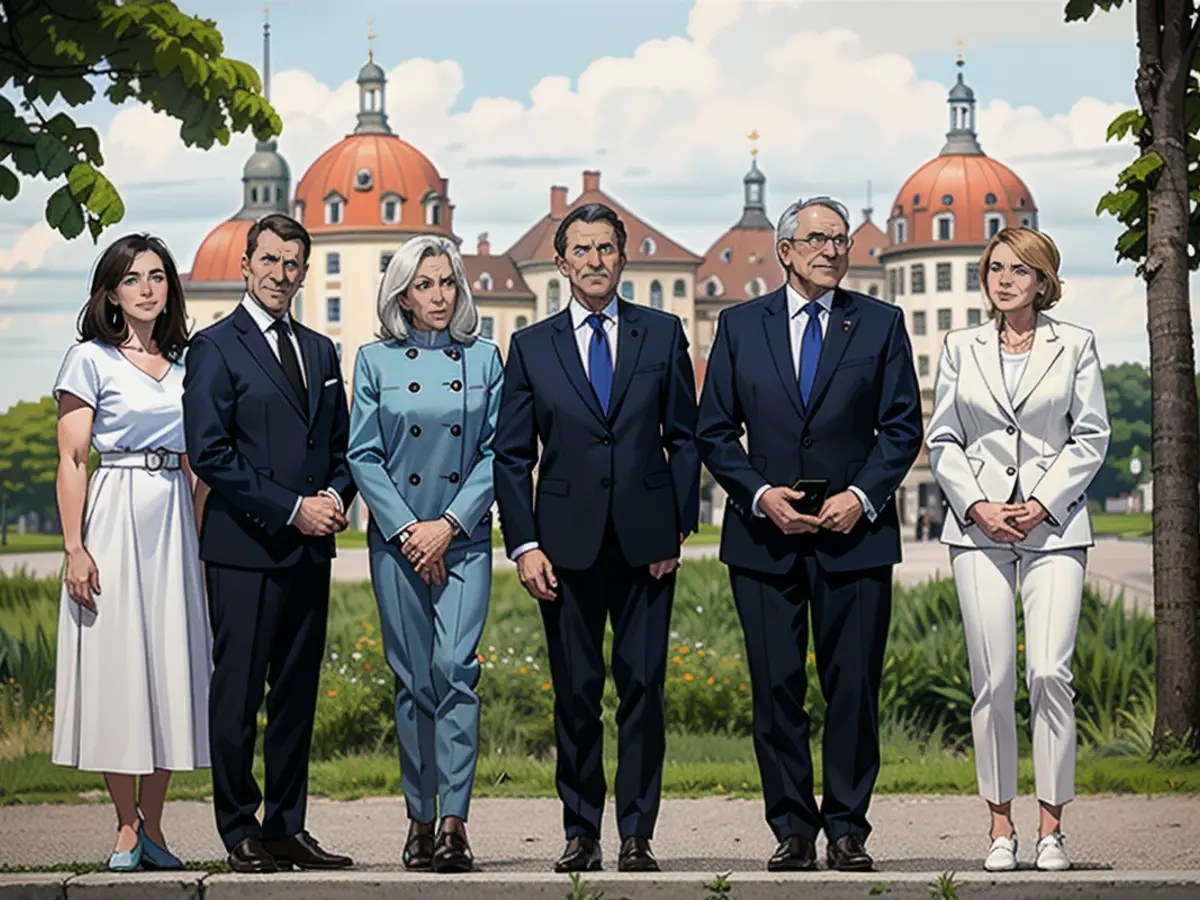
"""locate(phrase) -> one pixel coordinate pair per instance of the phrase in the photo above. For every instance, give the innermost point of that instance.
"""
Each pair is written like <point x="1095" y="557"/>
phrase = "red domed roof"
<point x="969" y="185"/>
<point x="392" y="167"/>
<point x="220" y="255"/>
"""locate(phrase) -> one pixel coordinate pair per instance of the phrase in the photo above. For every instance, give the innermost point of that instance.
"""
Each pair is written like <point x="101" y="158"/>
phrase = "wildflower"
<point x="699" y="644"/>
<point x="741" y="687"/>
<point x="687" y="676"/>
<point x="491" y="665"/>
<point x="545" y="685"/>
<point x="933" y="628"/>
<point x="353" y="780"/>
<point x="366" y="667"/>
<point x="333" y="656"/>
<point x="331" y="692"/>
<point x="725" y="681"/>
<point x="491" y="649"/>
<point x="368" y="627"/>
<point x="1020" y="648"/>
<point x="536" y="667"/>
<point x="711" y="680"/>
<point x="356" y="656"/>
<point x="699" y="609"/>
<point x="511" y="651"/>
<point x="685" y="649"/>
<point x="494" y="658"/>
<point x="678" y="660"/>
<point x="724" y="660"/>
<point x="354" y="681"/>
<point x="516" y="629"/>
<point x="812" y="657"/>
<point x="505" y="661"/>
<point x="482" y="658"/>
<point x="699" y="652"/>
<point x="342" y="670"/>
<point x="529" y="659"/>
<point x="674" y="635"/>
<point x="522" y="670"/>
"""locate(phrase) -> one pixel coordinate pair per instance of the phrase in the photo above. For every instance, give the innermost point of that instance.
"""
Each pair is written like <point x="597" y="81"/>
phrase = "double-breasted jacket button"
<point x="454" y="354"/>
<point x="1010" y="430"/>
<point x="604" y="482"/>
<point x="311" y="443"/>
<point x="453" y="477"/>
<point x="456" y="385"/>
<point x="1012" y="470"/>
<point x="456" y="430"/>
<point x="415" y="431"/>
<point x="411" y="353"/>
<point x="606" y="440"/>
<point x="414" y="386"/>
<point x="414" y="479"/>
<point x="807" y="442"/>
<point x="309" y="479"/>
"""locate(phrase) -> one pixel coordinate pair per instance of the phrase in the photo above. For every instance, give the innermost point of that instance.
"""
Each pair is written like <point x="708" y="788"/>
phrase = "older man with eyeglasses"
<point x="820" y="382"/>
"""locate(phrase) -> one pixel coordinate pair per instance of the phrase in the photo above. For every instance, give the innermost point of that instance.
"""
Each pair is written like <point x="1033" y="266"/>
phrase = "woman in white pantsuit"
<point x="1019" y="430"/>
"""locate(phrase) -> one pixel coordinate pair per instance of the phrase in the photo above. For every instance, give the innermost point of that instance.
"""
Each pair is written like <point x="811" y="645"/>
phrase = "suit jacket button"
<point x="456" y="385"/>
<point x="453" y="476"/>
<point x="453" y="354"/>
<point x="604" y="482"/>
<point x="311" y="443"/>
<point x="411" y="353"/>
<point x="1010" y="430"/>
<point x="415" y="431"/>
<point x="414" y="479"/>
<point x="606" y="440"/>
<point x="455" y="430"/>
<point x="309" y="479"/>
<point x="414" y="387"/>
<point x="1012" y="471"/>
<point x="807" y="442"/>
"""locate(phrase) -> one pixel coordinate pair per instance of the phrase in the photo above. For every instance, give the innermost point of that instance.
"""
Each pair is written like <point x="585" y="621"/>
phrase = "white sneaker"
<point x="1002" y="855"/>
<point x="1051" y="854"/>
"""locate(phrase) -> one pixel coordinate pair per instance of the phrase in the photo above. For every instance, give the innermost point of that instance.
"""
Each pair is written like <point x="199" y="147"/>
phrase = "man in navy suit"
<point x="267" y="425"/>
<point x="607" y="389"/>
<point x="820" y="381"/>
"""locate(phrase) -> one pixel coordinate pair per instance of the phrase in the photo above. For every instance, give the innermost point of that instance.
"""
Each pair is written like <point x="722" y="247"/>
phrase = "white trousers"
<point x="1051" y="592"/>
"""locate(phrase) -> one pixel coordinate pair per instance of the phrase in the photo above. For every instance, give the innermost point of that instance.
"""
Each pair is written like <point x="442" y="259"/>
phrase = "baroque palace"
<point x="371" y="191"/>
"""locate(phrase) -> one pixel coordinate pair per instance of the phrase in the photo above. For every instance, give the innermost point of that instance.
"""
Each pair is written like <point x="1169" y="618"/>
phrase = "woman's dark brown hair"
<point x="102" y="320"/>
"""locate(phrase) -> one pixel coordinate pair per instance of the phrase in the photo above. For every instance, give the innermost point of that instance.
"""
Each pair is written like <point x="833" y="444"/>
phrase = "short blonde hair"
<point x="1037" y="251"/>
<point x="402" y="269"/>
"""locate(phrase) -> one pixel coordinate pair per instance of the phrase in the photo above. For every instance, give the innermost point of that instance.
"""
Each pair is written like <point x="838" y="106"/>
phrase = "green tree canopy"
<point x="28" y="459"/>
<point x="143" y="50"/>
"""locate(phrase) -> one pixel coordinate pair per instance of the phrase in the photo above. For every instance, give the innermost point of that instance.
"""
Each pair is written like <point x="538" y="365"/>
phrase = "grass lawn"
<point x="1133" y="525"/>
<point x="31" y="543"/>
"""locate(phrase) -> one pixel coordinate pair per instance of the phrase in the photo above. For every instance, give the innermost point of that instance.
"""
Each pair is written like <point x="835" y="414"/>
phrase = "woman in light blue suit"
<point x="421" y="425"/>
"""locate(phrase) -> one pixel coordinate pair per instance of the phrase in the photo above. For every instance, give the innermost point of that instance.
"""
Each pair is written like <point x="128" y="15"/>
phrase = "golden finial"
<point x="959" y="61"/>
<point x="266" y="10"/>
<point x="370" y="40"/>
<point x="753" y="136"/>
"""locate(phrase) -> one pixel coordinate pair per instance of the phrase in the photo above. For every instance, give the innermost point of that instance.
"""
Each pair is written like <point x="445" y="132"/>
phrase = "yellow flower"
<point x="725" y="680"/>
<point x="1020" y="648"/>
<point x="331" y="692"/>
<point x="545" y="685"/>
<point x="699" y="652"/>
<point x="368" y="627"/>
<point x="741" y="687"/>
<point x="353" y="780"/>
<point x="523" y="670"/>
<point x="678" y="660"/>
<point x="687" y="676"/>
<point x="721" y="788"/>
<point x="711" y="680"/>
<point x="724" y="660"/>
<point x="494" y="657"/>
<point x="812" y="657"/>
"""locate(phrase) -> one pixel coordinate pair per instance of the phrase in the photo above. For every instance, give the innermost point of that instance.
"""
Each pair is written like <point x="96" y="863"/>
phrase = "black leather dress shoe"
<point x="452" y="853"/>
<point x="418" y="850"/>
<point x="794" y="854"/>
<point x="636" y="856"/>
<point x="849" y="854"/>
<point x="251" y="858"/>
<point x="582" y="854"/>
<point x="302" y="851"/>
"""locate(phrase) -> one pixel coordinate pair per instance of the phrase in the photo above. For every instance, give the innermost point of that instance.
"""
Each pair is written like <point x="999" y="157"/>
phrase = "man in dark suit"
<point x="267" y="425"/>
<point x="821" y="382"/>
<point x="608" y="390"/>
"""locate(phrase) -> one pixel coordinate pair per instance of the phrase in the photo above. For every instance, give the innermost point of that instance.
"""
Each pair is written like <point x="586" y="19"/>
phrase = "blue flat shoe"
<point x="126" y="860"/>
<point x="156" y="857"/>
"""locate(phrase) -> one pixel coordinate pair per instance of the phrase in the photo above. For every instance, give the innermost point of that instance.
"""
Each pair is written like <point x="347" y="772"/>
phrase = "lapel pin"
<point x="845" y="324"/>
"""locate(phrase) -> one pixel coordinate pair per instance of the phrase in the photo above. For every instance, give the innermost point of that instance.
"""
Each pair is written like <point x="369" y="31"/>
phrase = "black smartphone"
<point x="814" y="490"/>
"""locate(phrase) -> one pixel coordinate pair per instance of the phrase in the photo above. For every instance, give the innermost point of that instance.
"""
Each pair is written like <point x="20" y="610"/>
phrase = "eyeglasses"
<point x="818" y="239"/>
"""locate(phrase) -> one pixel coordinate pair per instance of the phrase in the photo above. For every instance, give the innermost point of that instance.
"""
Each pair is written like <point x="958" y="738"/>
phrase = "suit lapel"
<point x="842" y="322"/>
<point x="629" y="348"/>
<point x="778" y="326"/>
<point x="568" y="356"/>
<point x="987" y="356"/>
<point x="312" y="367"/>
<point x="256" y="344"/>
<point x="1046" y="347"/>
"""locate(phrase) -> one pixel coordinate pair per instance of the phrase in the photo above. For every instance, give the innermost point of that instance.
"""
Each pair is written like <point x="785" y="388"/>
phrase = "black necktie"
<point x="289" y="361"/>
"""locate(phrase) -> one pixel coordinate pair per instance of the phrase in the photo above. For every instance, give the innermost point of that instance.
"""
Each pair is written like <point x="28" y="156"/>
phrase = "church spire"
<point x="266" y="179"/>
<point x="754" y="215"/>
<point x="371" y="86"/>
<point x="961" y="138"/>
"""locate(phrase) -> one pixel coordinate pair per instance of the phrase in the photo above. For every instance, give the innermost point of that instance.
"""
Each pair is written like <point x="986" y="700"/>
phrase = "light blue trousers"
<point x="431" y="638"/>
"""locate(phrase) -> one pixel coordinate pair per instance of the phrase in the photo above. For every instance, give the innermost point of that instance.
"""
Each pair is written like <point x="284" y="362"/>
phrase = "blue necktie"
<point x="810" y="350"/>
<point x="600" y="367"/>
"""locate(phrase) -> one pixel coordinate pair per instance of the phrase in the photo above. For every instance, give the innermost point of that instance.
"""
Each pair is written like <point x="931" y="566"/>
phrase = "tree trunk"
<point x="1164" y="66"/>
<point x="4" y="521"/>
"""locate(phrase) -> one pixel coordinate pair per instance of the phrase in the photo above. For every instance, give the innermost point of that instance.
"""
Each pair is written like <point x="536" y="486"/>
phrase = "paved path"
<point x="708" y="835"/>
<point x="1112" y="565"/>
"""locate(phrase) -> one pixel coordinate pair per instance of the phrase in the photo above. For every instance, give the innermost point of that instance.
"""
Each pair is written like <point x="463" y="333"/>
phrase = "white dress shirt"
<point x="583" y="336"/>
<point x="264" y="320"/>
<point x="798" y="319"/>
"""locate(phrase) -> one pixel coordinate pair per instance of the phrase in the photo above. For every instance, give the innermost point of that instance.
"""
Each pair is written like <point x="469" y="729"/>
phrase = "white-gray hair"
<point x="402" y="269"/>
<point x="790" y="220"/>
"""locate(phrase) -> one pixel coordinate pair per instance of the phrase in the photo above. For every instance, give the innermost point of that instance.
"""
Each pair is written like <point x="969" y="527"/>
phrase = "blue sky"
<point x="507" y="97"/>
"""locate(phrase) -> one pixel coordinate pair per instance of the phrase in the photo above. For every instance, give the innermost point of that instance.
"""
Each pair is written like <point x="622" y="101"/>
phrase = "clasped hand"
<point x="1007" y="523"/>
<point x="840" y="513"/>
<point x="319" y="516"/>
<point x="426" y="549"/>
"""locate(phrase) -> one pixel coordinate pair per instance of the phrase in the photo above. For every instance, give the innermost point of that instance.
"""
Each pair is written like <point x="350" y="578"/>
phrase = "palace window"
<point x="627" y="290"/>
<point x="974" y="316"/>
<point x="487" y="327"/>
<point x="389" y="209"/>
<point x="943" y="277"/>
<point x="649" y="248"/>
<point x="656" y="294"/>
<point x="333" y="264"/>
<point x="553" y="296"/>
<point x="900" y="231"/>
<point x="923" y="365"/>
<point x="973" y="276"/>
<point x="680" y="289"/>
<point x="945" y="317"/>
<point x="943" y="227"/>
<point x="485" y="282"/>
<point x="918" y="278"/>
<point x="992" y="223"/>
<point x="918" y="322"/>
<point x="333" y="310"/>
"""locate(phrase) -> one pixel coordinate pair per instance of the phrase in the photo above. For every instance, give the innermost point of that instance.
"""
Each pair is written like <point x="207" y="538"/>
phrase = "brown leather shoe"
<point x="452" y="853"/>
<point x="794" y="854"/>
<point x="250" y="858"/>
<point x="636" y="856"/>
<point x="582" y="854"/>
<point x="302" y="851"/>
<point x="418" y="848"/>
<point x="849" y="854"/>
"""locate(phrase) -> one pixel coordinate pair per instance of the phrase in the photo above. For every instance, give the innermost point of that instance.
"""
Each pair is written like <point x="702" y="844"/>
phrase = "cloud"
<point x="27" y="252"/>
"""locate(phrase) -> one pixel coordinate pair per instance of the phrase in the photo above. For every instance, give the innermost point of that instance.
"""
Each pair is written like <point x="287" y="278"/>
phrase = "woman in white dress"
<point x="134" y="647"/>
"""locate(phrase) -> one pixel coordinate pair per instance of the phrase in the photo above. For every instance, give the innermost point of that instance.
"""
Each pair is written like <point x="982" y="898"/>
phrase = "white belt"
<point x="153" y="460"/>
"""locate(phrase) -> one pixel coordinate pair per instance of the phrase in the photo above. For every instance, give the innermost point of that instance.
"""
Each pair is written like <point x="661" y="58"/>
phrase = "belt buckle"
<point x="156" y="460"/>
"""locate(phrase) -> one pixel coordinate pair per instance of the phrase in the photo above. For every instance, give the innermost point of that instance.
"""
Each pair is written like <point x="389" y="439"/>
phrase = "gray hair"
<point x="464" y="323"/>
<point x="790" y="220"/>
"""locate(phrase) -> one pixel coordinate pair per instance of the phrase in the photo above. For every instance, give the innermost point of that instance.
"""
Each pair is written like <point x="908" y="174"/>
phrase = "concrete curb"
<point x="1020" y="885"/>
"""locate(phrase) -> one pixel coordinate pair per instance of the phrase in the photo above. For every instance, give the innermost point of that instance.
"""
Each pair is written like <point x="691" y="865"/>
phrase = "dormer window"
<point x="727" y="254"/>
<point x="916" y="200"/>
<point x="992" y="223"/>
<point x="900" y="231"/>
<point x="755" y="287"/>
<point x="389" y="209"/>
<point x="990" y="199"/>
<point x="298" y="209"/>
<point x="433" y="209"/>
<point x="943" y="227"/>
<point x="680" y="289"/>
<point x="362" y="180"/>
<point x="335" y="205"/>
<point x="714" y="288"/>
<point x="649" y="248"/>
<point x="947" y="199"/>
<point x="485" y="282"/>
